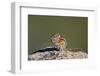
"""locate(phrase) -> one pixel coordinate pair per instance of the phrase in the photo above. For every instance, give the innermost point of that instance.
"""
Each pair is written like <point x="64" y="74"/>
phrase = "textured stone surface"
<point x="57" y="55"/>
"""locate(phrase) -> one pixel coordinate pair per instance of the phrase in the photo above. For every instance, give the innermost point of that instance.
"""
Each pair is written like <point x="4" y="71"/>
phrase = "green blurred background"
<point x="41" y="28"/>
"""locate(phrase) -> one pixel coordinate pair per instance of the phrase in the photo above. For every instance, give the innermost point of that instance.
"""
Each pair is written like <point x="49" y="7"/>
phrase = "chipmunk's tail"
<point x="46" y="49"/>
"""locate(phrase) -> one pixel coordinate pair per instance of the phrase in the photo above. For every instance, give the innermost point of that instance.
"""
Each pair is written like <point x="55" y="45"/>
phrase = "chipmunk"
<point x="59" y="41"/>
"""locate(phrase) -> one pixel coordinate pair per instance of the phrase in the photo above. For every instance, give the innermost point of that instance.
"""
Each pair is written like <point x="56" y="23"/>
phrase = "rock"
<point x="57" y="55"/>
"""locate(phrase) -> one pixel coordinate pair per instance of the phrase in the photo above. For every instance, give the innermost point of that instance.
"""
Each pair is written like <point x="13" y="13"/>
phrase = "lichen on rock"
<point x="57" y="55"/>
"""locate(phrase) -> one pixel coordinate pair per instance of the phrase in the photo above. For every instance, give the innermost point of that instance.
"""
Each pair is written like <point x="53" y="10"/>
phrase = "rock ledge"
<point x="57" y="55"/>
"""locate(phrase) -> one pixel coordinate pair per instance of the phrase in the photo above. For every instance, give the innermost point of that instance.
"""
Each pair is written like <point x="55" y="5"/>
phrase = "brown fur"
<point x="59" y="41"/>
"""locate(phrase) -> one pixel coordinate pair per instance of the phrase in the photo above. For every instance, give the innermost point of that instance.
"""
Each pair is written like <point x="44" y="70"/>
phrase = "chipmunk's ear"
<point x="52" y="35"/>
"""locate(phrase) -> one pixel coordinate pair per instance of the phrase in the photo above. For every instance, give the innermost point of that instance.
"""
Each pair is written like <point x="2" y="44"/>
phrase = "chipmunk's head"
<point x="55" y="37"/>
